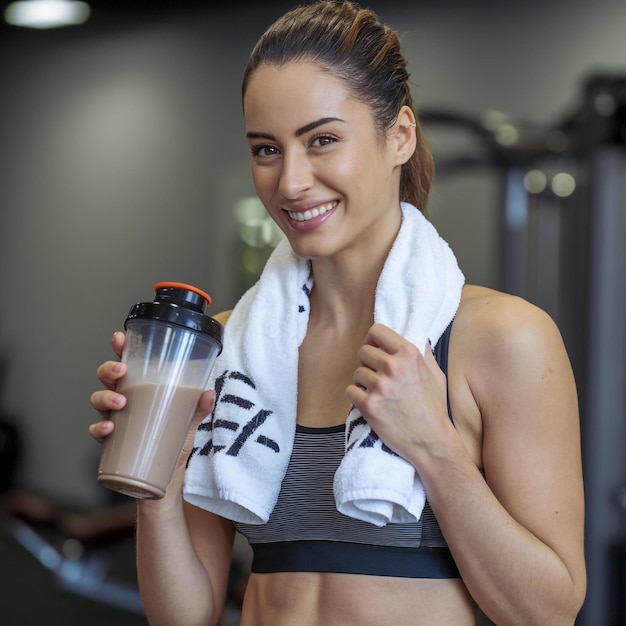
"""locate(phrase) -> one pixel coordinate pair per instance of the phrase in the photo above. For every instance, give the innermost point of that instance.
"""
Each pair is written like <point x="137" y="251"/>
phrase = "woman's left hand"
<point x="400" y="392"/>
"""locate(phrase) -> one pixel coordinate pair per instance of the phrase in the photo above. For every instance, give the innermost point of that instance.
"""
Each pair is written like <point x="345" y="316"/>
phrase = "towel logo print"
<point x="241" y="432"/>
<point x="365" y="437"/>
<point x="307" y="292"/>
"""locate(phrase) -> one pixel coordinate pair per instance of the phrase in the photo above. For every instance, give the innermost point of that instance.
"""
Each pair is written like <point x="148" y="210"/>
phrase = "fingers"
<point x="355" y="394"/>
<point x="365" y="377"/>
<point x="106" y="400"/>
<point x="383" y="348"/>
<point x="101" y="430"/>
<point x="388" y="356"/>
<point x="117" y="342"/>
<point x="381" y="336"/>
<point x="110" y="373"/>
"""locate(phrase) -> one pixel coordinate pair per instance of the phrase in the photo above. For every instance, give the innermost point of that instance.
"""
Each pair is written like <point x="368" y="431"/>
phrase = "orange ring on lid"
<point x="174" y="285"/>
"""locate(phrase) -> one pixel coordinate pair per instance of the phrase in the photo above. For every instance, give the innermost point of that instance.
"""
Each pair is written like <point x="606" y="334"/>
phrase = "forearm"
<point x="514" y="577"/>
<point x="175" y="586"/>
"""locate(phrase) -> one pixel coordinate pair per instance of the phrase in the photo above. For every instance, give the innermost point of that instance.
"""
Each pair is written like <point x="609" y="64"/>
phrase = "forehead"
<point x="296" y="93"/>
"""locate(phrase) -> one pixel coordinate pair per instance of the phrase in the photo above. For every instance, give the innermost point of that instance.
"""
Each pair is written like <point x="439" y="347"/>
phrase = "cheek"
<point x="359" y="160"/>
<point x="341" y="169"/>
<point x="351" y="172"/>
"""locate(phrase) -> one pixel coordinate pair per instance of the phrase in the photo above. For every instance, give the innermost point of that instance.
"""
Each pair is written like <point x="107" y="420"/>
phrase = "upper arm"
<point x="525" y="390"/>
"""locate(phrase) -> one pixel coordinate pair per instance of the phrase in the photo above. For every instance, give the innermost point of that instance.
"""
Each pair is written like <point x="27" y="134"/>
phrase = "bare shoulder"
<point x="222" y="317"/>
<point x="482" y="305"/>
<point x="497" y="339"/>
<point x="511" y="355"/>
<point x="497" y="324"/>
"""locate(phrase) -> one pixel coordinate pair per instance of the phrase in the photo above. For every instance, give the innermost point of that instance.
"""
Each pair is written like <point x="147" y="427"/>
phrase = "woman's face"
<point x="320" y="167"/>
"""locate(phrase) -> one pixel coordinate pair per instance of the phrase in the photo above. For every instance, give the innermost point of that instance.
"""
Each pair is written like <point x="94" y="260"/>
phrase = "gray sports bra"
<point x="305" y="532"/>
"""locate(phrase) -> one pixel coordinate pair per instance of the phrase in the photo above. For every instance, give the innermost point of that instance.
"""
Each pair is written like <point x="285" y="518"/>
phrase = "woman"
<point x="493" y="442"/>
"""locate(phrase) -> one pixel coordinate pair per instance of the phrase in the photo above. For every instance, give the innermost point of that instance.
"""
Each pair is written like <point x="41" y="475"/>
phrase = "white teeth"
<point x="304" y="216"/>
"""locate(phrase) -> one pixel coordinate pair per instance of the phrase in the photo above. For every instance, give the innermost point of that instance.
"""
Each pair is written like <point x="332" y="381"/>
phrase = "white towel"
<point x="242" y="449"/>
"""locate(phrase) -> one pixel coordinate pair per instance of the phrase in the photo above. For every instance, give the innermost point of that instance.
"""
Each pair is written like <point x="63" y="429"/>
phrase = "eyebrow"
<point x="299" y="132"/>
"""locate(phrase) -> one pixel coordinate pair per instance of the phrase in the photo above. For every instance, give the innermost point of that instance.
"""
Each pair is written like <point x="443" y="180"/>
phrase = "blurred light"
<point x="493" y="119"/>
<point x="535" y="181"/>
<point x="563" y="185"/>
<point x="507" y="135"/>
<point x="249" y="209"/>
<point x="256" y="228"/>
<point x="49" y="557"/>
<point x="46" y="13"/>
<point x="72" y="549"/>
<point x="605" y="104"/>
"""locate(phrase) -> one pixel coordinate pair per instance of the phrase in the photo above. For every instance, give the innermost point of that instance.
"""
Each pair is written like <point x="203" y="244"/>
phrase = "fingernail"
<point x="117" y="401"/>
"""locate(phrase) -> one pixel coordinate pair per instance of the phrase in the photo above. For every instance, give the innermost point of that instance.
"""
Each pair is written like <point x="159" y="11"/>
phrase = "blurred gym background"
<point x="123" y="162"/>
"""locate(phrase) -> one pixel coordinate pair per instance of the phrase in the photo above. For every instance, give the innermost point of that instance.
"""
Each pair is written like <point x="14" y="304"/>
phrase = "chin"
<point x="311" y="253"/>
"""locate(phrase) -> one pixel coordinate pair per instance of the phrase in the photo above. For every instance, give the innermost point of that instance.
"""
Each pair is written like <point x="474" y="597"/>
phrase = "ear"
<point x="404" y="135"/>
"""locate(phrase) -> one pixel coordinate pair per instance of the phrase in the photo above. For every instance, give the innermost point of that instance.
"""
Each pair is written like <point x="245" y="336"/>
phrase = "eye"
<point x="263" y="150"/>
<point x="320" y="141"/>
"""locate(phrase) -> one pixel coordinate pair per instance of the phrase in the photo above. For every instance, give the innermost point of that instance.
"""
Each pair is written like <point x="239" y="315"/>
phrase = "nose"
<point x="296" y="175"/>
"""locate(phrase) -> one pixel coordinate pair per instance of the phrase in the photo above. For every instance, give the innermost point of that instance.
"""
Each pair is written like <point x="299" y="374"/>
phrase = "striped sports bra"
<point x="306" y="533"/>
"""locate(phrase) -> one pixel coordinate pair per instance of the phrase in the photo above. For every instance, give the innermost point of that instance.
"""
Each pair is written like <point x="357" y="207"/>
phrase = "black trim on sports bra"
<point x="353" y="558"/>
<point x="441" y="356"/>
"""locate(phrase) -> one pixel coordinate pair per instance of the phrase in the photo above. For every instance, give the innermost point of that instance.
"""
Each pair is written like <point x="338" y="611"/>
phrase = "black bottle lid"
<point x="180" y="304"/>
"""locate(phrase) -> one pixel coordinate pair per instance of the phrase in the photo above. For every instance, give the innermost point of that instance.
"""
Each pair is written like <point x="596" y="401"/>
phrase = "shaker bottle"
<point x="171" y="346"/>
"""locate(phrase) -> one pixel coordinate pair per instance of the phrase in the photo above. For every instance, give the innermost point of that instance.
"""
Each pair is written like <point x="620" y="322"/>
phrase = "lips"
<point x="309" y="214"/>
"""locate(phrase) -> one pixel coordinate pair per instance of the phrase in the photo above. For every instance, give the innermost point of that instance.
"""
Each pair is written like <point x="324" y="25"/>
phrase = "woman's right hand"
<point x="107" y="400"/>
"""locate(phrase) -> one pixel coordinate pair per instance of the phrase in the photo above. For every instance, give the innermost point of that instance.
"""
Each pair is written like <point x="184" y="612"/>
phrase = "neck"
<point x="344" y="288"/>
<point x="344" y="284"/>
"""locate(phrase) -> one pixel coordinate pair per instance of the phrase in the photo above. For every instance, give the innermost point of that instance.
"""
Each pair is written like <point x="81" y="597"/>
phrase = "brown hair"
<point x="352" y="44"/>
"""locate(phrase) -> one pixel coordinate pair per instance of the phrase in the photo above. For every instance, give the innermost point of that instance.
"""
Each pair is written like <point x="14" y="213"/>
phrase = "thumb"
<point x="429" y="357"/>
<point x="205" y="406"/>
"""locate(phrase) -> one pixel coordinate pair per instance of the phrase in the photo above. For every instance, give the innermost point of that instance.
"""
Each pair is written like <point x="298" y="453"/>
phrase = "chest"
<point x="326" y="367"/>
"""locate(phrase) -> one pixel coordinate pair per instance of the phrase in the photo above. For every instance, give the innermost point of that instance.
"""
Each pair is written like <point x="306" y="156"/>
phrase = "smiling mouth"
<point x="305" y="216"/>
